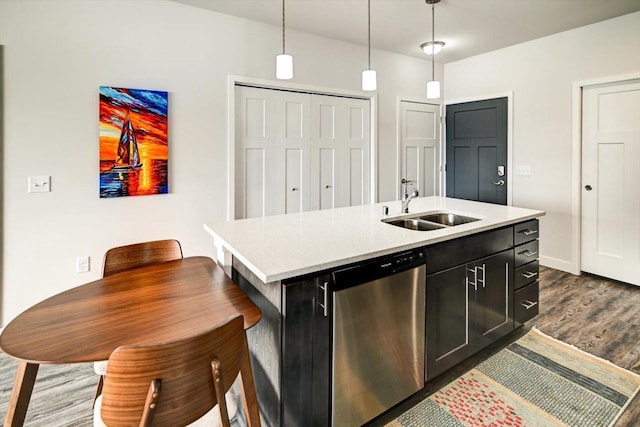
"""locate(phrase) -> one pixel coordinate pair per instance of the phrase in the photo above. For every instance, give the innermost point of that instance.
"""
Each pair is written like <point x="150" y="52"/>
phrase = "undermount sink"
<point x="448" y="219"/>
<point x="415" y="224"/>
<point x="431" y="221"/>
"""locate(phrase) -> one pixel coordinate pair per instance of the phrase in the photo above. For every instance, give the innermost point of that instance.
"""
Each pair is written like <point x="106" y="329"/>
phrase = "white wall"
<point x="541" y="74"/>
<point x="57" y="54"/>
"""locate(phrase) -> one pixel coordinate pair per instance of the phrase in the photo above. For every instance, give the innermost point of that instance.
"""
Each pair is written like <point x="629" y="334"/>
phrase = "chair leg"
<point x="98" y="389"/>
<point x="247" y="386"/>
<point x="220" y="394"/>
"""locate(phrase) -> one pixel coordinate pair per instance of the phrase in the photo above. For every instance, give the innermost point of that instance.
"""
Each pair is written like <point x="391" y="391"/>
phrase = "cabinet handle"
<point x="483" y="275"/>
<point x="528" y="253"/>
<point x="529" y="274"/>
<point x="325" y="298"/>
<point x="475" y="278"/>
<point x="499" y="182"/>
<point x="528" y="304"/>
<point x="529" y="232"/>
<point x="327" y="186"/>
<point x="294" y="189"/>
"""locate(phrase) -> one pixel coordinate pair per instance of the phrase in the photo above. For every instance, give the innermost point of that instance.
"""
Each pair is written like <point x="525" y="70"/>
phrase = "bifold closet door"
<point x="340" y="152"/>
<point x="272" y="152"/>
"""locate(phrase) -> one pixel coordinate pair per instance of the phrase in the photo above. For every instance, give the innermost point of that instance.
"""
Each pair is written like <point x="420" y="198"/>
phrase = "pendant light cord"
<point x="369" y="36"/>
<point x="283" y="27"/>
<point x="433" y="39"/>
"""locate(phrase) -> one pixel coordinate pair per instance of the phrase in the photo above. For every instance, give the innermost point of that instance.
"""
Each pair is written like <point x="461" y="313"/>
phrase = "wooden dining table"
<point x="148" y="305"/>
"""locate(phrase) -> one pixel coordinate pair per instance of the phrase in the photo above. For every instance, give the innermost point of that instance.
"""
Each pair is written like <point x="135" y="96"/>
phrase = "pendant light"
<point x="284" y="61"/>
<point x="433" y="86"/>
<point x="369" y="81"/>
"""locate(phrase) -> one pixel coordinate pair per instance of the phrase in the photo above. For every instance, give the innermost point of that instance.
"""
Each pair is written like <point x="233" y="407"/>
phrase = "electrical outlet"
<point x="82" y="264"/>
<point x="39" y="184"/>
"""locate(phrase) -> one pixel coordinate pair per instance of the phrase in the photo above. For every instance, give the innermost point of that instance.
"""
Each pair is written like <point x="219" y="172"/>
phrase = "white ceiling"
<point x="468" y="27"/>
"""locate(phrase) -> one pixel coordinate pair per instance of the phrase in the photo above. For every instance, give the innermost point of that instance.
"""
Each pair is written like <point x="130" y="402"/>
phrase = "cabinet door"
<point x="305" y="363"/>
<point x="493" y="288"/>
<point x="448" y="314"/>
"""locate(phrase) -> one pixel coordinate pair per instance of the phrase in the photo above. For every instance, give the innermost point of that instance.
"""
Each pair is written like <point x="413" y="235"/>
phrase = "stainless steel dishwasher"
<point x="378" y="336"/>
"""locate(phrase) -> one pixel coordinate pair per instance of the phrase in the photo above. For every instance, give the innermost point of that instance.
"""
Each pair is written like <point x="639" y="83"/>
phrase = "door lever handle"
<point x="499" y="182"/>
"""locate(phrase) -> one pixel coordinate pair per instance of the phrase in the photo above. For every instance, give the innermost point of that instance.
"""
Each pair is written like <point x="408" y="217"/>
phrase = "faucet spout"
<point x="406" y="199"/>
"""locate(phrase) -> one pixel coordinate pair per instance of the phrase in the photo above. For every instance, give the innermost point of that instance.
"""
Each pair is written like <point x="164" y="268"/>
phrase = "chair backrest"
<point x="140" y="254"/>
<point x="174" y="384"/>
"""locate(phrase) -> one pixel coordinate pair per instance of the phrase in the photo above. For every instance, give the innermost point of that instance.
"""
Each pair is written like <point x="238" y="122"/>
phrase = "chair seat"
<point x="210" y="419"/>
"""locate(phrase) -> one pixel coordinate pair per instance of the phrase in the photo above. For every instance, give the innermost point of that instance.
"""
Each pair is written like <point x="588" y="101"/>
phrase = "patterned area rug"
<point x="536" y="381"/>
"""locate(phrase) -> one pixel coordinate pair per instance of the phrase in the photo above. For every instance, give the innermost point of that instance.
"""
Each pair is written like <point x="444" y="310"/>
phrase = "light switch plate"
<point x="523" y="170"/>
<point x="39" y="184"/>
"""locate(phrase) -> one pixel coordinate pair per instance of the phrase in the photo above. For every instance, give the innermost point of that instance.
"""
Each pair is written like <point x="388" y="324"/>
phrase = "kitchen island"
<point x="288" y="266"/>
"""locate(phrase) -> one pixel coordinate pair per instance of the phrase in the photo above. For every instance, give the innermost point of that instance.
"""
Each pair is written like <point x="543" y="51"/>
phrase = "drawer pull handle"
<point x="528" y="304"/>
<point x="529" y="232"/>
<point x="528" y="253"/>
<point x="529" y="274"/>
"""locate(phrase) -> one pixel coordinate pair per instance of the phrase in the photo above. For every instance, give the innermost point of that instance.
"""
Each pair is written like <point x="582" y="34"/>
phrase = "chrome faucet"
<point x="406" y="198"/>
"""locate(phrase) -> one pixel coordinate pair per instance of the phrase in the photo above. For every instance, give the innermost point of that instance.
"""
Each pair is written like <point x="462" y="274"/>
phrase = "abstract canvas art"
<point x="134" y="146"/>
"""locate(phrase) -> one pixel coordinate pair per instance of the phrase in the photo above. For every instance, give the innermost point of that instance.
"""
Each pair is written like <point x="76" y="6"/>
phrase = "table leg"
<point x="21" y="394"/>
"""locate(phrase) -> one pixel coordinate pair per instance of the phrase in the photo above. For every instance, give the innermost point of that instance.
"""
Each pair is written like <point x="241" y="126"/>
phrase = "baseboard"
<point x="559" y="264"/>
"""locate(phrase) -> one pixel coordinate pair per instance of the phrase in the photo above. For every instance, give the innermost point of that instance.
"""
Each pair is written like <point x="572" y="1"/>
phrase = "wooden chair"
<point x="178" y="383"/>
<point x="132" y="256"/>
<point x="137" y="255"/>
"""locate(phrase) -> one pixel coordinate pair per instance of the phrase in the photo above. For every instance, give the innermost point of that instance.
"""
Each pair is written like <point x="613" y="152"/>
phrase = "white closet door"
<point x="292" y="184"/>
<point x="420" y="146"/>
<point x="611" y="181"/>
<point x="272" y="155"/>
<point x="255" y="150"/>
<point x="340" y="153"/>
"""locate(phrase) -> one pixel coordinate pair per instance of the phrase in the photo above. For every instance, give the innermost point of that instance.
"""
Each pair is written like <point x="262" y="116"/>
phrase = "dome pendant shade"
<point x="369" y="81"/>
<point x="432" y="48"/>
<point x="284" y="66"/>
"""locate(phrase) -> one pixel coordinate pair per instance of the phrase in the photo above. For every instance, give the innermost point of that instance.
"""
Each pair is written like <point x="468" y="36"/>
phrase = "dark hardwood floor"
<point x="597" y="315"/>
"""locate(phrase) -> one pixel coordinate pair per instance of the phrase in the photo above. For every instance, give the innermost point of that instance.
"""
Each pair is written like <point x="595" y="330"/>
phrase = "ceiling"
<point x="468" y="27"/>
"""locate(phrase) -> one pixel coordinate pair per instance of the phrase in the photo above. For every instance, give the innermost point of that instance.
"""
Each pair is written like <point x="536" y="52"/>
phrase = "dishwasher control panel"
<point x="381" y="267"/>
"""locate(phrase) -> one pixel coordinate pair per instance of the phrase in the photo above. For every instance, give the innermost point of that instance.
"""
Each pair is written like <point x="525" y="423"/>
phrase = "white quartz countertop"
<point x="284" y="246"/>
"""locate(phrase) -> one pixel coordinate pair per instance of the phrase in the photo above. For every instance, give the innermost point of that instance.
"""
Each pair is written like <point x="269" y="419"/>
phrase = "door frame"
<point x="232" y="80"/>
<point x="575" y="265"/>
<point x="443" y="134"/>
<point x="399" y="101"/>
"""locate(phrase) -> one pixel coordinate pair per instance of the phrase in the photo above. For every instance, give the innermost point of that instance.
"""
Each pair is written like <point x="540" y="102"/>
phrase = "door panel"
<point x="610" y="177"/>
<point x="494" y="312"/>
<point x="431" y="163"/>
<point x="327" y="182"/>
<point x="356" y="178"/>
<point x="464" y="173"/>
<point x="294" y="180"/>
<point x="481" y="128"/>
<point x="254" y="201"/>
<point x="448" y="320"/>
<point x="420" y="146"/>
<point x="487" y="169"/>
<point x="339" y="127"/>
<point x="314" y="152"/>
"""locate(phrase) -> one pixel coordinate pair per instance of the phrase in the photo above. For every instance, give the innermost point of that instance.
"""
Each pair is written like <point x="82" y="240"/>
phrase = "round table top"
<point x="152" y="304"/>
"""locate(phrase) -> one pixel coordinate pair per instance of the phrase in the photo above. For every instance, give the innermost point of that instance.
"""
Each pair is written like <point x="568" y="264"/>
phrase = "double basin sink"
<point x="430" y="221"/>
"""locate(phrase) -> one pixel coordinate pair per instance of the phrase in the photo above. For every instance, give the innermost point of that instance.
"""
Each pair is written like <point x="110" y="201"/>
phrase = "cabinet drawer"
<point x="525" y="232"/>
<point x="442" y="256"/>
<point x="525" y="304"/>
<point x="526" y="253"/>
<point x="526" y="274"/>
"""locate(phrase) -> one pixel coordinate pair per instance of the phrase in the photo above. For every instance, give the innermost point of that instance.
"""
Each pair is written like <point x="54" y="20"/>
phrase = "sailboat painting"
<point x="134" y="147"/>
